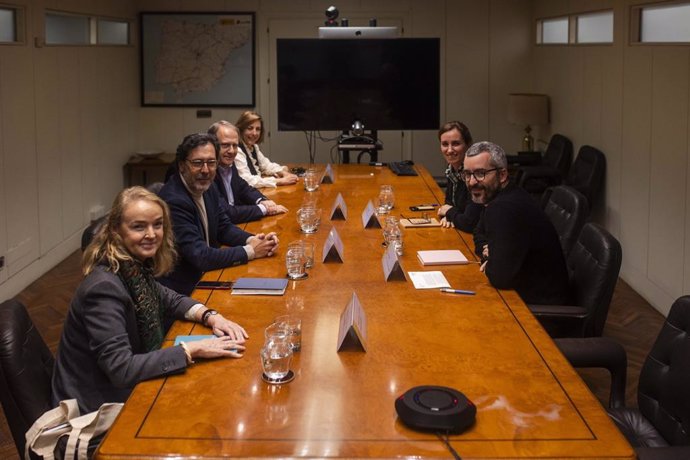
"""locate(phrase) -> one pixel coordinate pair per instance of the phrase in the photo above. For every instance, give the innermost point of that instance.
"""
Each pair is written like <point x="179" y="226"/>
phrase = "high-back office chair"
<point x="593" y="266"/>
<point x="663" y="397"/>
<point x="90" y="232"/>
<point x="568" y="210"/>
<point x="586" y="175"/>
<point x="553" y="168"/>
<point x="26" y="369"/>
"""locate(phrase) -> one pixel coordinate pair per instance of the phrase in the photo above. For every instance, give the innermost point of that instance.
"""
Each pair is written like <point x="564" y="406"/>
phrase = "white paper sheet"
<point x="428" y="280"/>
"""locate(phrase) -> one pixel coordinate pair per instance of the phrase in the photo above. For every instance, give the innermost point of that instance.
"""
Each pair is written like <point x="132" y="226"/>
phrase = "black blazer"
<point x="246" y="197"/>
<point x="195" y="256"/>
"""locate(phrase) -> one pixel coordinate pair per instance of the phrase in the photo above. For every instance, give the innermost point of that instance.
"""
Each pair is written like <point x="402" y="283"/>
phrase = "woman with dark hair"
<point x="458" y="211"/>
<point x="251" y="163"/>
<point x="113" y="332"/>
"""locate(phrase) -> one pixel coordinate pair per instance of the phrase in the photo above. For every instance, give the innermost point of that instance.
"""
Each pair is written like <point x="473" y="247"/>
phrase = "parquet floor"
<point x="631" y="321"/>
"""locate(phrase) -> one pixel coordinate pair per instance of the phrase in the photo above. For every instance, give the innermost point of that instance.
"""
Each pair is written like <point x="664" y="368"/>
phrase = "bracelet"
<point x="187" y="353"/>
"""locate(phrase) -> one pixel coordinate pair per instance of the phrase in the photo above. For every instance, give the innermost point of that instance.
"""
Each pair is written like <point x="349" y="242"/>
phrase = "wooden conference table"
<point x="530" y="401"/>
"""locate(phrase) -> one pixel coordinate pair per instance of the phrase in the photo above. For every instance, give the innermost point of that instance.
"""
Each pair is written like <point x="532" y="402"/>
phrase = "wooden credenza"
<point x="147" y="170"/>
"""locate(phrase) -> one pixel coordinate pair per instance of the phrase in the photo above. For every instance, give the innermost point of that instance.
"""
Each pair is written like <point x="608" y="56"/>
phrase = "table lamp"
<point x="526" y="110"/>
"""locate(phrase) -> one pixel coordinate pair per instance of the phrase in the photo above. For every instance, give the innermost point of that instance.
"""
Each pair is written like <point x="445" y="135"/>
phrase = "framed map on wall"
<point x="197" y="59"/>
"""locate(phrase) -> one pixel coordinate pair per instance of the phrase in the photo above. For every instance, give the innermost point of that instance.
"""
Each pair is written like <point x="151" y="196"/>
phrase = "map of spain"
<point x="198" y="57"/>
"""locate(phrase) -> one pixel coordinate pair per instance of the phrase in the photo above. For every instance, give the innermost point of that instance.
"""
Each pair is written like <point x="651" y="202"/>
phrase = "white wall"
<point x="70" y="116"/>
<point x="68" y="122"/>
<point x="632" y="102"/>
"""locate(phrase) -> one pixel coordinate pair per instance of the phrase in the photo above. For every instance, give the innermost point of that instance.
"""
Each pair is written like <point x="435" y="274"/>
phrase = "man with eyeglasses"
<point x="517" y="243"/>
<point x="245" y="202"/>
<point x="205" y="237"/>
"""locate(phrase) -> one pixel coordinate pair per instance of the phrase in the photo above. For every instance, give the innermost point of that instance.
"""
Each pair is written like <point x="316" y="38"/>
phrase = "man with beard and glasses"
<point x="205" y="237"/>
<point x="516" y="241"/>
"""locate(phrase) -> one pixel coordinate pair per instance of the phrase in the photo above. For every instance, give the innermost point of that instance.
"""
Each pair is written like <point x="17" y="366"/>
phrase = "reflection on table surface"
<point x="531" y="403"/>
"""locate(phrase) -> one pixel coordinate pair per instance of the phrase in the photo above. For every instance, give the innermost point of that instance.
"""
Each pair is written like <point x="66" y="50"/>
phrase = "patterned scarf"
<point x="454" y="180"/>
<point x="251" y="154"/>
<point x="139" y="280"/>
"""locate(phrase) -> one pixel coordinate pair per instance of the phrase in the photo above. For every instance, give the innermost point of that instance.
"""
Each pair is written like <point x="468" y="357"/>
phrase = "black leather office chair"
<point x="586" y="175"/>
<point x="91" y="231"/>
<point x="593" y="266"/>
<point x="553" y="168"/>
<point x="568" y="210"/>
<point x="26" y="369"/>
<point x="660" y="427"/>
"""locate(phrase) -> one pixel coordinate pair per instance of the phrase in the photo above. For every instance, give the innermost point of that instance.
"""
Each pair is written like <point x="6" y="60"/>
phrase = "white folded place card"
<point x="333" y="249"/>
<point x="391" y="265"/>
<point x="369" y="219"/>
<point x="328" y="177"/>
<point x="339" y="208"/>
<point x="353" y="325"/>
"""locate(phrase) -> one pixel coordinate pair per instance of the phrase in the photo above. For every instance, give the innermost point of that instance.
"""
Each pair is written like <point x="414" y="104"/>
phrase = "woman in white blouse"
<point x="252" y="165"/>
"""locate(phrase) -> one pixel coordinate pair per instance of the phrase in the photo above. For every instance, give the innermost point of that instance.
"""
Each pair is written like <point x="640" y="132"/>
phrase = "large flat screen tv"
<point x="386" y="84"/>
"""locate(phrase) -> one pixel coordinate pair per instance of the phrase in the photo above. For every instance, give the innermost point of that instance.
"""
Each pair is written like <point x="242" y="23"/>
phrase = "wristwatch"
<point x="208" y="313"/>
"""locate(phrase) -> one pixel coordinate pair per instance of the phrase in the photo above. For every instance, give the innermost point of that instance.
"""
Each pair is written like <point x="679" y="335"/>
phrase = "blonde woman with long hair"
<point x="114" y="329"/>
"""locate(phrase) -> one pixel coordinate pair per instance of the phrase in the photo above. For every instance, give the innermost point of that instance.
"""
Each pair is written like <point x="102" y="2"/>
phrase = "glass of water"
<point x="276" y="355"/>
<point x="309" y="219"/>
<point x="386" y="197"/>
<point x="295" y="260"/>
<point x="311" y="180"/>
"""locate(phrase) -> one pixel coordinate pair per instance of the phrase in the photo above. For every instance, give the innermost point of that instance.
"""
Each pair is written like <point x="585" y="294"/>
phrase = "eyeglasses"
<point x="228" y="145"/>
<point x="199" y="164"/>
<point x="479" y="174"/>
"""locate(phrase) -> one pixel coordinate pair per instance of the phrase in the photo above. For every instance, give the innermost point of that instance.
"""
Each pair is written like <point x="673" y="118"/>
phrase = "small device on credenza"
<point x="435" y="408"/>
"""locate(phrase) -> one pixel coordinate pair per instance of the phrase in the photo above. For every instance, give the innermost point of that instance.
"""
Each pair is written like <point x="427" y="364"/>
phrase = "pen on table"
<point x="457" y="291"/>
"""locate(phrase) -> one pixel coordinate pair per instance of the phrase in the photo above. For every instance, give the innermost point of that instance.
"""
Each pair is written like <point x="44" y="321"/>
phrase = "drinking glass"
<point x="293" y="326"/>
<point x="311" y="180"/>
<point x="309" y="219"/>
<point x="392" y="234"/>
<point x="380" y="205"/>
<point x="386" y="197"/>
<point x="276" y="355"/>
<point x="295" y="261"/>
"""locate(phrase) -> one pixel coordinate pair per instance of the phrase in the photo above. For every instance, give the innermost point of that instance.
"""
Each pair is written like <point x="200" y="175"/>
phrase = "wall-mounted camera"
<point x="331" y="16"/>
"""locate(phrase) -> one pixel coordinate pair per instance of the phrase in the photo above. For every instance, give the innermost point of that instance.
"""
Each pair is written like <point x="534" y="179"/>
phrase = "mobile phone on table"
<point x="214" y="285"/>
<point x="423" y="207"/>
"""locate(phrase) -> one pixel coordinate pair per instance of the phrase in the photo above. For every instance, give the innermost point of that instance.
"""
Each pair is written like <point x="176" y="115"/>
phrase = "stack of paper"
<point x="441" y="257"/>
<point x="259" y="286"/>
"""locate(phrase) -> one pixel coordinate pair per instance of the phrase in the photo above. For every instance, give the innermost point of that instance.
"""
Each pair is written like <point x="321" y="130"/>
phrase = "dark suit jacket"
<point x="195" y="256"/>
<point x="246" y="198"/>
<point x="100" y="357"/>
